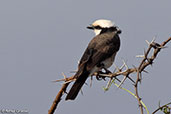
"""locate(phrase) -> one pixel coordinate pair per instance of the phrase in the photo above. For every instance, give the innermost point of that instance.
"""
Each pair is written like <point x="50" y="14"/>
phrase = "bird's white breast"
<point x="109" y="61"/>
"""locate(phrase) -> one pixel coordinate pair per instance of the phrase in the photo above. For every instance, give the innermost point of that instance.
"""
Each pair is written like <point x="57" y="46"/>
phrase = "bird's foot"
<point x="98" y="77"/>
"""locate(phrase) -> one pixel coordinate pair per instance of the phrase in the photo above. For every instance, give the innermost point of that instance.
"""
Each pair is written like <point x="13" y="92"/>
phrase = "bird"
<point x="100" y="53"/>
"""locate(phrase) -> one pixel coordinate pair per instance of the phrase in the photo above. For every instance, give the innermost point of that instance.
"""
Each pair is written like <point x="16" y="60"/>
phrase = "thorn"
<point x="64" y="75"/>
<point x="117" y="67"/>
<point x="154" y="38"/>
<point x="117" y="79"/>
<point x="108" y="84"/>
<point x="145" y="71"/>
<point x="122" y="66"/>
<point x="58" y="80"/>
<point x="159" y="104"/>
<point x="147" y="42"/>
<point x="131" y="79"/>
<point x="69" y="81"/>
<point x="140" y="56"/>
<point x="61" y="79"/>
<point x="122" y="81"/>
<point x="125" y="64"/>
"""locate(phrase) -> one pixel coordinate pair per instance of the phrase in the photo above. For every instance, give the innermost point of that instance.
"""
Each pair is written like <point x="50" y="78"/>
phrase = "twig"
<point x="58" y="98"/>
<point x="59" y="95"/>
<point x="161" y="107"/>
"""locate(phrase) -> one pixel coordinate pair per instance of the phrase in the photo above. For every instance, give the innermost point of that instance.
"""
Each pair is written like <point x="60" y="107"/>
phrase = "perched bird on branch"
<point x="100" y="53"/>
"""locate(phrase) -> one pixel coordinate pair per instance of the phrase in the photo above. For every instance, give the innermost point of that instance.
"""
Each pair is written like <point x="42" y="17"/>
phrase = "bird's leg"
<point x="107" y="71"/>
<point x="98" y="77"/>
<point x="101" y="66"/>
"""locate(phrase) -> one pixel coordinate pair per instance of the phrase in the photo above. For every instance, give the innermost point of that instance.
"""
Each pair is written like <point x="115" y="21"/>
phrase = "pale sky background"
<point x="40" y="39"/>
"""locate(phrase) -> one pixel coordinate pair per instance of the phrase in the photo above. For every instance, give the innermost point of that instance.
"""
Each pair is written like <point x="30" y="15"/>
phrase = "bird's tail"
<point x="77" y="86"/>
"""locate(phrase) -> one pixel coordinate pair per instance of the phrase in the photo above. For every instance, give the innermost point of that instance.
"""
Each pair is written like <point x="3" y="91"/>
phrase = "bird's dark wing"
<point x="100" y="48"/>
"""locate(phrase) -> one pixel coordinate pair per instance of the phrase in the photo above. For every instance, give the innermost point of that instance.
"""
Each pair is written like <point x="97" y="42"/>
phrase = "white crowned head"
<point x="99" y="24"/>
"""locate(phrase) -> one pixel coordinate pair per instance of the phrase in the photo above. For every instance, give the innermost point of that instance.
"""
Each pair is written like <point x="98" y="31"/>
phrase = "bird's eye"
<point x="97" y="27"/>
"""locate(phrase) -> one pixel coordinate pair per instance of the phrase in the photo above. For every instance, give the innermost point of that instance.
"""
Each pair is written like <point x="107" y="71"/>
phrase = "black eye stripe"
<point x="97" y="27"/>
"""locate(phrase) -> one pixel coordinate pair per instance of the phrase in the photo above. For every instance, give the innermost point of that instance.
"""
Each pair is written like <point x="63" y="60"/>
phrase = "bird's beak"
<point x="118" y="30"/>
<point x="90" y="27"/>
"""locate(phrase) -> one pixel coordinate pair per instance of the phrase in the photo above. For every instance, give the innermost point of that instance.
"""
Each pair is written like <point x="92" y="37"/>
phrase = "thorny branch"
<point x="145" y="62"/>
<point x="141" y="68"/>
